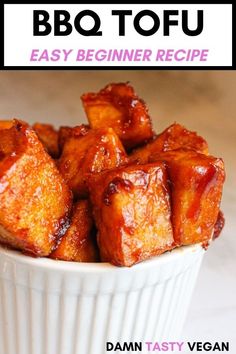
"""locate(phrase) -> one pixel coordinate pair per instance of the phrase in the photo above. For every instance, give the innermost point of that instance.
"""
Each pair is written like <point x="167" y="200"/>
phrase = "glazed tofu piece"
<point x="98" y="150"/>
<point x="79" y="242"/>
<point x="48" y="137"/>
<point x="6" y="124"/>
<point x="174" y="137"/>
<point x="117" y="106"/>
<point x="35" y="201"/>
<point x="67" y="132"/>
<point x="132" y="213"/>
<point x="197" y="182"/>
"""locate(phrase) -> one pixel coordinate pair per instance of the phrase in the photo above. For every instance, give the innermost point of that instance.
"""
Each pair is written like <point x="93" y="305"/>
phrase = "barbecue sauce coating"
<point x="117" y="106"/>
<point x="93" y="152"/>
<point x="174" y="137"/>
<point x="132" y="213"/>
<point x="219" y="225"/>
<point x="35" y="201"/>
<point x="196" y="189"/>
<point x="48" y="136"/>
<point x="79" y="242"/>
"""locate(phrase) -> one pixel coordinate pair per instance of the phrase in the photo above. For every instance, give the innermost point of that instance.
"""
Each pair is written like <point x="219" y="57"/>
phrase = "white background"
<point x="216" y="35"/>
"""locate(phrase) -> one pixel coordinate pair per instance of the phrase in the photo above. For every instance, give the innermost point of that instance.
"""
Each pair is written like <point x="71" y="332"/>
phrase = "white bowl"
<point x="56" y="307"/>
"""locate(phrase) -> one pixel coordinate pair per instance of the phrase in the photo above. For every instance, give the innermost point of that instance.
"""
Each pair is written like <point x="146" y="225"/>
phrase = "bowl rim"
<point x="100" y="267"/>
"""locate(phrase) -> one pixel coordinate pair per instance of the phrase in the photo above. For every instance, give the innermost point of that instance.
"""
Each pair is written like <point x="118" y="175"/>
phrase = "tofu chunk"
<point x="197" y="182"/>
<point x="174" y="137"/>
<point x="117" y="106"/>
<point x="132" y="213"/>
<point x="79" y="242"/>
<point x="98" y="150"/>
<point x="68" y="132"/>
<point x="35" y="201"/>
<point x="6" y="124"/>
<point x="48" y="137"/>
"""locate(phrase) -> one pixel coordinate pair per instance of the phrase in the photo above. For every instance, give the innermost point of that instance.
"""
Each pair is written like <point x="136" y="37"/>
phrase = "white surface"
<point x="45" y="309"/>
<point x="203" y="101"/>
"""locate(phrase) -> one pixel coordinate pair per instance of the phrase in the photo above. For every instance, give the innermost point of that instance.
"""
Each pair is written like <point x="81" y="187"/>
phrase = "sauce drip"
<point x="220" y="222"/>
<point x="194" y="209"/>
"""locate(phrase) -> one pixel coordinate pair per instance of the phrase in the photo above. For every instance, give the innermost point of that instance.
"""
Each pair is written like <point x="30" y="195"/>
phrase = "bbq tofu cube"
<point x="197" y="182"/>
<point x="172" y="138"/>
<point x="65" y="133"/>
<point x="79" y="242"/>
<point x="132" y="213"/>
<point x="118" y="106"/>
<point x="98" y="150"/>
<point x="34" y="199"/>
<point x="48" y="137"/>
<point x="6" y="124"/>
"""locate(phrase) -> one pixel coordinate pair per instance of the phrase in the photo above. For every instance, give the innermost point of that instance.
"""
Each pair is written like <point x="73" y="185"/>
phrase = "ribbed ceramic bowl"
<point x="55" y="307"/>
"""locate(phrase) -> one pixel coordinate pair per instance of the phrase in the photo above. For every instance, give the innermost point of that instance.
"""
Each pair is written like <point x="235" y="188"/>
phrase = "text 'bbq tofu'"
<point x="196" y="183"/>
<point x="97" y="150"/>
<point x="132" y="213"/>
<point x="117" y="106"/>
<point x="35" y="201"/>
